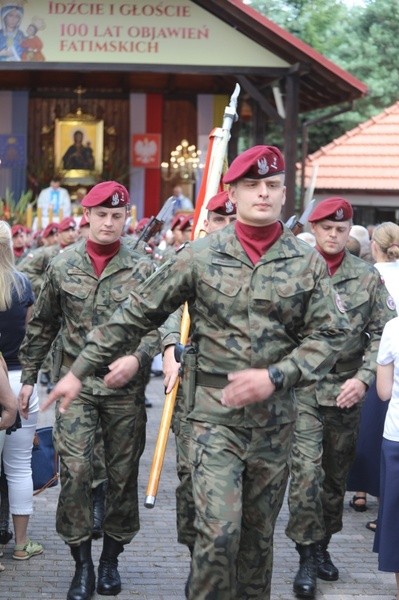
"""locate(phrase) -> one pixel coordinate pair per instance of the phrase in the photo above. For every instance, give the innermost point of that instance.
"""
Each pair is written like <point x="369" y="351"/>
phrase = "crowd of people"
<point x="275" y="382"/>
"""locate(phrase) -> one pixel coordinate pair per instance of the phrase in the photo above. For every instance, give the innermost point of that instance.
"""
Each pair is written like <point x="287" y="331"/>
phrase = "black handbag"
<point x="45" y="462"/>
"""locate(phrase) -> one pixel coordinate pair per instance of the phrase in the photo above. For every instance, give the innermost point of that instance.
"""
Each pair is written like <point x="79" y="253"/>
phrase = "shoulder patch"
<point x="339" y="304"/>
<point x="391" y="303"/>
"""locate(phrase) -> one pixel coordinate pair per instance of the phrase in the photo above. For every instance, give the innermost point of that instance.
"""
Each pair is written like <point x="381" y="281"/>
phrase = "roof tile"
<point x="364" y="158"/>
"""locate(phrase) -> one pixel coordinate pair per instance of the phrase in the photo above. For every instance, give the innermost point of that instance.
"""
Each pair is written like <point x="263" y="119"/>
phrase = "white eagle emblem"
<point x="229" y="206"/>
<point x="145" y="150"/>
<point x="339" y="214"/>
<point x="115" y="199"/>
<point x="263" y="167"/>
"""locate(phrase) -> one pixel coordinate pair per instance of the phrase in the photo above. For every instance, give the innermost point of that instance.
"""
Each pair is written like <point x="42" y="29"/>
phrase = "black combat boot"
<point x="325" y="567"/>
<point x="305" y="581"/>
<point x="98" y="510"/>
<point x="109" y="581"/>
<point x="84" y="581"/>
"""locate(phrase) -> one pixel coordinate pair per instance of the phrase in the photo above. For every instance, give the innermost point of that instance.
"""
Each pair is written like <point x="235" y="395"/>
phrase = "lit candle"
<point x="50" y="214"/>
<point x="60" y="215"/>
<point x="133" y="215"/>
<point x="39" y="218"/>
<point x="29" y="216"/>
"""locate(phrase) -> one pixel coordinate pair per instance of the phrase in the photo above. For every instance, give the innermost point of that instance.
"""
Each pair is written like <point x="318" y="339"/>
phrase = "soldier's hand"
<point x="122" y="370"/>
<point x="66" y="390"/>
<point x="170" y="368"/>
<point x="352" y="392"/>
<point x="23" y="400"/>
<point x="247" y="387"/>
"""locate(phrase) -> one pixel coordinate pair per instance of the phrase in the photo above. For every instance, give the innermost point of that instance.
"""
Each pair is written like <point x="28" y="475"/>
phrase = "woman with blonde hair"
<point x="16" y="300"/>
<point x="365" y="472"/>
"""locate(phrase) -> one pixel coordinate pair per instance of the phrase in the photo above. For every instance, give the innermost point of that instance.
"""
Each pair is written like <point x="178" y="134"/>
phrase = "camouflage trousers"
<point x="123" y="428"/>
<point x="185" y="507"/>
<point x="322" y="454"/>
<point x="239" y="479"/>
<point x="99" y="470"/>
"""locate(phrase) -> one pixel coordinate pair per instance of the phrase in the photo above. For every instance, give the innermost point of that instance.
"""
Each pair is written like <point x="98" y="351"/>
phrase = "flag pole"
<point x="216" y="154"/>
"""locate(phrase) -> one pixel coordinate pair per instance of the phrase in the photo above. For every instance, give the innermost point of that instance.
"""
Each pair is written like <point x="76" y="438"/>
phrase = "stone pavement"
<point x="155" y="567"/>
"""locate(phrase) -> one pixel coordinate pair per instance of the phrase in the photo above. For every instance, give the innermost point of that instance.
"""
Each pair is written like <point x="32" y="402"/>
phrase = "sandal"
<point x="26" y="551"/>
<point x="358" y="507"/>
<point x="372" y="525"/>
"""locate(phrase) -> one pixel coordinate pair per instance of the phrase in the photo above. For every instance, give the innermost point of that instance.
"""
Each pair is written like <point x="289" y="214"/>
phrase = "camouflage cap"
<point x="221" y="204"/>
<point x="110" y="194"/>
<point x="333" y="209"/>
<point x="257" y="162"/>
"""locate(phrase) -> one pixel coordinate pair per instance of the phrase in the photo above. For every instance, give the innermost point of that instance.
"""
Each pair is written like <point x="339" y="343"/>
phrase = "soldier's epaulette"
<point x="182" y="246"/>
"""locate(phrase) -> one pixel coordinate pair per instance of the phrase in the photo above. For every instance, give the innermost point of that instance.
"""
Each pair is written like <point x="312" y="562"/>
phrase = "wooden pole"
<point x="216" y="154"/>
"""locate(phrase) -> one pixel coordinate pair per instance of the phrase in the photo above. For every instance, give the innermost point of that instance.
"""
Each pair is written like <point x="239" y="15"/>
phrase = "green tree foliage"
<point x="360" y="37"/>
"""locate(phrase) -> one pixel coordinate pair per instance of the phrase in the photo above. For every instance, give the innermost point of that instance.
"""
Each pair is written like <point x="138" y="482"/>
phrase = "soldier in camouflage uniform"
<point x="328" y="415"/>
<point x="221" y="212"/>
<point x="57" y="237"/>
<point x="82" y="288"/>
<point x="264" y="318"/>
<point x="19" y="242"/>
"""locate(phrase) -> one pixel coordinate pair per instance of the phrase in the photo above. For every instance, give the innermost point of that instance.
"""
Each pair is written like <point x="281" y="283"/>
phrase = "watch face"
<point x="276" y="377"/>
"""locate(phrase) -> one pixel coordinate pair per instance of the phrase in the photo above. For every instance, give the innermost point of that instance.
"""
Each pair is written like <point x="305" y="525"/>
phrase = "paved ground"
<point x="155" y="567"/>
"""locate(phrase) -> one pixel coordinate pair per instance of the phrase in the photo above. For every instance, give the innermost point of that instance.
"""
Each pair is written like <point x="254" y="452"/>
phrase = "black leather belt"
<point x="212" y="380"/>
<point x="350" y="365"/>
<point x="102" y="372"/>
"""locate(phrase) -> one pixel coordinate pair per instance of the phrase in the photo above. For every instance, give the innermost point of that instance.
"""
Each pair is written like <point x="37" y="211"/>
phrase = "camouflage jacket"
<point x="368" y="307"/>
<point x="280" y="312"/>
<point x="73" y="295"/>
<point x="35" y="263"/>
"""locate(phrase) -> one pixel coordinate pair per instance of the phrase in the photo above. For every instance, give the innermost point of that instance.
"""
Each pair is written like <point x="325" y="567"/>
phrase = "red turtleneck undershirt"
<point x="257" y="240"/>
<point x="101" y="254"/>
<point x="18" y="252"/>
<point x="333" y="260"/>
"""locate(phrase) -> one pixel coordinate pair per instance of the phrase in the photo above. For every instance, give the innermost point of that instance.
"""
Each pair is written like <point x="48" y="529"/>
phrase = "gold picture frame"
<point x="78" y="148"/>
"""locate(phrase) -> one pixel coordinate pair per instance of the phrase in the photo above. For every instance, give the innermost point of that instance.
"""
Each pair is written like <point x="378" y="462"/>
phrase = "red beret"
<point x="177" y="220"/>
<point x="67" y="223"/>
<point x="186" y="223"/>
<point x="141" y="224"/>
<point x="51" y="229"/>
<point x="221" y="204"/>
<point x="257" y="162"/>
<point x="83" y="222"/>
<point x="17" y="229"/>
<point x="333" y="209"/>
<point x="28" y="230"/>
<point x="110" y="194"/>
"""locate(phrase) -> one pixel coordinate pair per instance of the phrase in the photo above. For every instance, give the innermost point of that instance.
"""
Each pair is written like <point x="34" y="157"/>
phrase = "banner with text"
<point x="170" y="32"/>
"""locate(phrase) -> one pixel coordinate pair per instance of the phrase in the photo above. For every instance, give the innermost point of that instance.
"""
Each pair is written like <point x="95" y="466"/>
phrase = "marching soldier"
<point x="82" y="288"/>
<point x="56" y="237"/>
<point x="221" y="212"/>
<point x="329" y="410"/>
<point x="264" y="318"/>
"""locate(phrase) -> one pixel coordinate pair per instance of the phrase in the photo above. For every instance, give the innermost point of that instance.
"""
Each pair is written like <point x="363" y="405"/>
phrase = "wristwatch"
<point x="276" y="377"/>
